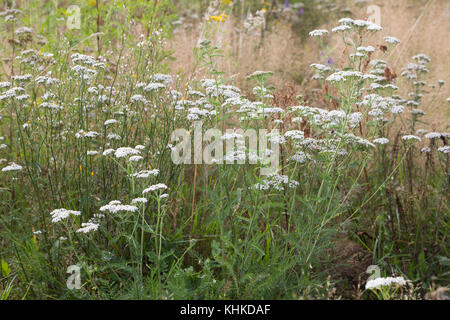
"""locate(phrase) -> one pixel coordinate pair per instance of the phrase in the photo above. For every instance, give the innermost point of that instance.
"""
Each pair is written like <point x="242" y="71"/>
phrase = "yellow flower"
<point x="92" y="173"/>
<point x="227" y="2"/>
<point x="222" y="17"/>
<point x="92" y="3"/>
<point x="34" y="237"/>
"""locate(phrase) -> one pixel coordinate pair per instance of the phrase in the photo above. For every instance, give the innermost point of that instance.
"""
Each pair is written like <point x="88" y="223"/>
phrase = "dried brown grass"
<point x="422" y="25"/>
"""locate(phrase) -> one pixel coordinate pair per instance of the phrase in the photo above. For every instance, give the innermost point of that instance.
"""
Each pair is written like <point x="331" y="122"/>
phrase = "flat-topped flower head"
<point x="422" y="58"/>
<point x="385" y="282"/>
<point x="12" y="167"/>
<point x="397" y="109"/>
<point x="108" y="152"/>
<point x="135" y="158"/>
<point x="139" y="200"/>
<point x="381" y="141"/>
<point x="159" y="186"/>
<point x="115" y="206"/>
<point x="277" y="182"/>
<point x="86" y="134"/>
<point x="444" y="149"/>
<point x="125" y="152"/>
<point x="346" y="21"/>
<point x="110" y="121"/>
<point x="391" y="40"/>
<point x="154" y="86"/>
<point x="342" y="76"/>
<point x="367" y="49"/>
<point x="88" y="227"/>
<point x="259" y="75"/>
<point x="318" y="33"/>
<point x="373" y="27"/>
<point x="146" y="173"/>
<point x="433" y="135"/>
<point x="341" y="28"/>
<point x="411" y="137"/>
<point x="62" y="214"/>
<point x="320" y="67"/>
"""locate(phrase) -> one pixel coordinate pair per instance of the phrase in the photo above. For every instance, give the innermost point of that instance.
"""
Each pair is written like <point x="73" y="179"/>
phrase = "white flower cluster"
<point x="145" y="173"/>
<point x="116" y="206"/>
<point x="125" y="152"/>
<point x="61" y="214"/>
<point x="159" y="186"/>
<point x="318" y="33"/>
<point x="277" y="182"/>
<point x="12" y="167"/>
<point x="88" y="227"/>
<point x="385" y="282"/>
